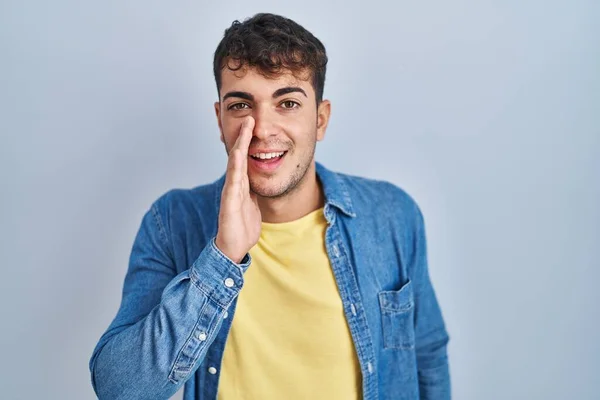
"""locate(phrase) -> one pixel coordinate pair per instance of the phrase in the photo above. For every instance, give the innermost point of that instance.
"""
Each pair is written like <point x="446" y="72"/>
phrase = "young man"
<point x="282" y="279"/>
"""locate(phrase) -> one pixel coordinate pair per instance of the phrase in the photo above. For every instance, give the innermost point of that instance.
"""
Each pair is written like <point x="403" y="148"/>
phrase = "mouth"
<point x="266" y="162"/>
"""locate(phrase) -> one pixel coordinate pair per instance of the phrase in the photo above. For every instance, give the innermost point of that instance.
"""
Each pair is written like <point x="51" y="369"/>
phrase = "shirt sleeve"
<point x="166" y="321"/>
<point x="431" y="337"/>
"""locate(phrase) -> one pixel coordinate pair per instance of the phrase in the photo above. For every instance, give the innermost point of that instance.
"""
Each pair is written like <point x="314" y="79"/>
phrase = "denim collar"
<point x="335" y="190"/>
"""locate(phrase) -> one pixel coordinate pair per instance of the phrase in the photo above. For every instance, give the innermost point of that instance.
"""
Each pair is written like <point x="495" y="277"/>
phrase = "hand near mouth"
<point x="239" y="216"/>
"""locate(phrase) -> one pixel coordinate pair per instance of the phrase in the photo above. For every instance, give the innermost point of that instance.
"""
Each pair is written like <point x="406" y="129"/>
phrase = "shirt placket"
<point x="352" y="303"/>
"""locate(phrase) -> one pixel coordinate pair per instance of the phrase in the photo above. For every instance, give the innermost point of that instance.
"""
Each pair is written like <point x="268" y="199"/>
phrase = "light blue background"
<point x="486" y="112"/>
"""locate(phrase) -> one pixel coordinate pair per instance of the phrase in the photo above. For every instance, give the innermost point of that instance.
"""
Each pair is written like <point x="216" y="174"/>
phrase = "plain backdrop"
<point x="486" y="112"/>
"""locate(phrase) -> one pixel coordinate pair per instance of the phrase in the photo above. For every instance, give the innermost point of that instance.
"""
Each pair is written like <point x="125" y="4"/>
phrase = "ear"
<point x="218" y="113"/>
<point x="323" y="113"/>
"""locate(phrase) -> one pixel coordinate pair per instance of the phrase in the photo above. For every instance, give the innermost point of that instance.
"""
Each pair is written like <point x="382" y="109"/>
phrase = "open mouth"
<point x="267" y="162"/>
<point x="268" y="158"/>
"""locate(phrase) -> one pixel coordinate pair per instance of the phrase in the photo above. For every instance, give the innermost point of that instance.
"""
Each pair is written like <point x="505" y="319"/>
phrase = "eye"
<point x="238" y="106"/>
<point x="290" y="104"/>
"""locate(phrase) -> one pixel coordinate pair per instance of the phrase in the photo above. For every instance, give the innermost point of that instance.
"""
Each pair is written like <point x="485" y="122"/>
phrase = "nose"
<point x="264" y="123"/>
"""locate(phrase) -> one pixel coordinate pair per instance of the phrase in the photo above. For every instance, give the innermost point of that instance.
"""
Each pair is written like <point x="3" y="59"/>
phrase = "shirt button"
<point x="229" y="282"/>
<point x="212" y="370"/>
<point x="225" y="315"/>
<point x="336" y="251"/>
<point x="202" y="336"/>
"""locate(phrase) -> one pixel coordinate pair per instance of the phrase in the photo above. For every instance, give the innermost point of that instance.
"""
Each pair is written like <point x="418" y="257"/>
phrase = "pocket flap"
<point x="397" y="300"/>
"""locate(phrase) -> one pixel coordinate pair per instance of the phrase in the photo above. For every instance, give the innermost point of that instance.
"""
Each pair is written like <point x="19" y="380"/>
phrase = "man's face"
<point x="287" y="126"/>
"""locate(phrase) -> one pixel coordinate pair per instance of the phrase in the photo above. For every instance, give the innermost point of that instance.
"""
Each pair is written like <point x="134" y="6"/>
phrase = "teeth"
<point x="267" y="156"/>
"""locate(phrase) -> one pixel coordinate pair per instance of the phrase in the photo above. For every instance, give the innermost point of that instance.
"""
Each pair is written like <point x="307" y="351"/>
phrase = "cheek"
<point x="302" y="127"/>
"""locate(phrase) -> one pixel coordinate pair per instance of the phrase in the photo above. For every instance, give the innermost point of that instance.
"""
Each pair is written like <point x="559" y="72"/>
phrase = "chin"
<point x="268" y="190"/>
<point x="272" y="187"/>
<point x="277" y="185"/>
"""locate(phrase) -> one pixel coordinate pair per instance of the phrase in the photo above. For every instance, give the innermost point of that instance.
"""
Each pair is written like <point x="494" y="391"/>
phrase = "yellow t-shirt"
<point x="289" y="338"/>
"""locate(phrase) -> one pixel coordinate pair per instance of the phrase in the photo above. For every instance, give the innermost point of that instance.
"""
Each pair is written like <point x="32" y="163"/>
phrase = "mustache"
<point x="277" y="144"/>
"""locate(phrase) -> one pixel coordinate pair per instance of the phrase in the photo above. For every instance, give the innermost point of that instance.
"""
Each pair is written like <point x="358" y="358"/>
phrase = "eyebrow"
<point x="278" y="93"/>
<point x="241" y="95"/>
<point x="288" y="89"/>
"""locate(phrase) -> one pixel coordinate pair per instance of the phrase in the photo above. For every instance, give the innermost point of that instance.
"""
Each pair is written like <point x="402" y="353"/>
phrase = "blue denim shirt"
<point x="177" y="307"/>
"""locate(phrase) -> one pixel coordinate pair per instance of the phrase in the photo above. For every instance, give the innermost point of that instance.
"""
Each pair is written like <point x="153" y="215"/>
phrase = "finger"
<point x="237" y="163"/>
<point x="237" y="145"/>
<point x="244" y="141"/>
<point x="232" y="168"/>
<point x="243" y="129"/>
<point x="233" y="180"/>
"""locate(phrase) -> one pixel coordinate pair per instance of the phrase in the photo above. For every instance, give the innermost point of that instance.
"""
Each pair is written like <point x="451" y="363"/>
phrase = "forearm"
<point x="152" y="356"/>
<point x="433" y="368"/>
<point x="431" y="335"/>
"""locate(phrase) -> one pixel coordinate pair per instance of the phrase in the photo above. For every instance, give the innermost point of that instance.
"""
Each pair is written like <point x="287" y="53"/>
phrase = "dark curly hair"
<point x="273" y="44"/>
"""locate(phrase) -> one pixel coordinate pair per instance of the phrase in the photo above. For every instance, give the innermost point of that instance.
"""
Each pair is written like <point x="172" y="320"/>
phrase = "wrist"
<point x="233" y="256"/>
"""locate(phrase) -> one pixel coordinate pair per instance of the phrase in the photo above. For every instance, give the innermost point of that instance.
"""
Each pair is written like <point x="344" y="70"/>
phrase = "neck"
<point x="305" y="198"/>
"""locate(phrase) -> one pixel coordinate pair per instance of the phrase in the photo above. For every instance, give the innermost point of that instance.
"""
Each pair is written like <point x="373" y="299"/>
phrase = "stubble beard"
<point x="290" y="183"/>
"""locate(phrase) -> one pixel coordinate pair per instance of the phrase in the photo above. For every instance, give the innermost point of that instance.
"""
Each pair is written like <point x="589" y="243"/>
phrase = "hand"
<point x="239" y="216"/>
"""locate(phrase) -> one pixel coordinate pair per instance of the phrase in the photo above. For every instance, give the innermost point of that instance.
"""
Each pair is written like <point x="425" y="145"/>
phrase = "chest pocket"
<point x="397" y="317"/>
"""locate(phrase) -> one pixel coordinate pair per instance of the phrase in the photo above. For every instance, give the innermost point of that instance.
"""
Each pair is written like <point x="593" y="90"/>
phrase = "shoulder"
<point x="384" y="197"/>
